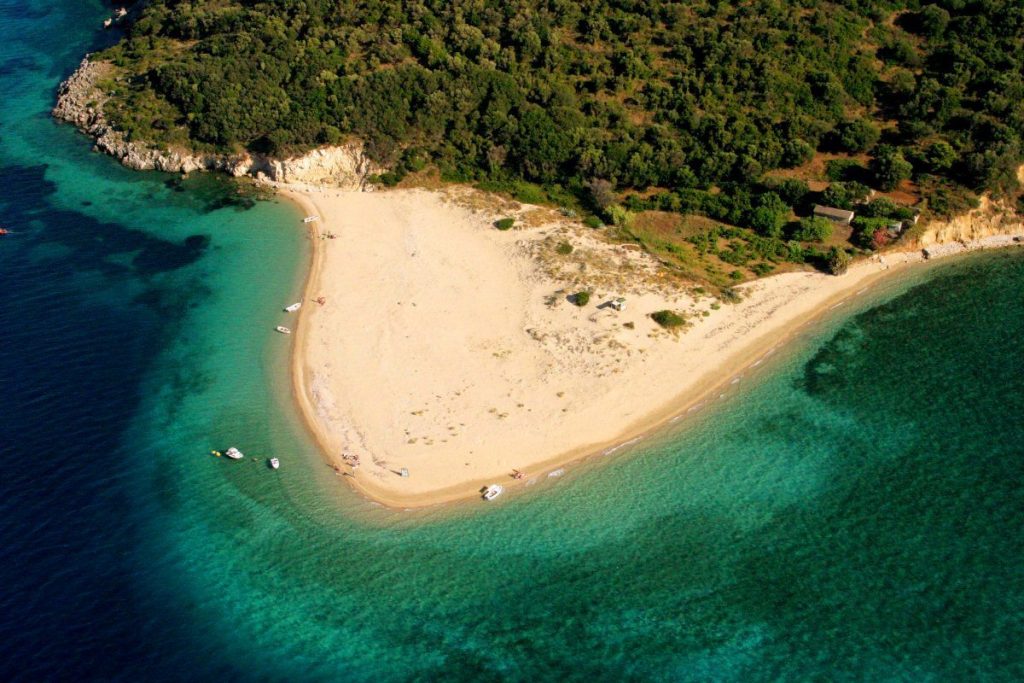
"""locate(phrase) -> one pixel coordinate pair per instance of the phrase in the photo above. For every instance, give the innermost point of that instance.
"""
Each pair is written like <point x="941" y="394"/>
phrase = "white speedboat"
<point x="294" y="307"/>
<point x="282" y="329"/>
<point x="275" y="463"/>
<point x="493" y="491"/>
<point x="310" y="219"/>
<point x="234" y="453"/>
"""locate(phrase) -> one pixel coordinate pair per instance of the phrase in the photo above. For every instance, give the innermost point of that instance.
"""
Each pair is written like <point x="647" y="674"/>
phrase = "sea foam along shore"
<point x="452" y="351"/>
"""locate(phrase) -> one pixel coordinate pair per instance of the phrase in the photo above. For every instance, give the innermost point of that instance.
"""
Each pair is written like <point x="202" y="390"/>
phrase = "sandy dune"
<point x="450" y="349"/>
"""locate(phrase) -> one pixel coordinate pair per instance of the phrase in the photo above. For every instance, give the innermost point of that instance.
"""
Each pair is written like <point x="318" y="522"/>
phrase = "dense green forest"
<point x="688" y="106"/>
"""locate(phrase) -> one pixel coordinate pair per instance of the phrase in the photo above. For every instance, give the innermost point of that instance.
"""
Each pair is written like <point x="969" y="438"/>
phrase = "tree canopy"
<point x="680" y="96"/>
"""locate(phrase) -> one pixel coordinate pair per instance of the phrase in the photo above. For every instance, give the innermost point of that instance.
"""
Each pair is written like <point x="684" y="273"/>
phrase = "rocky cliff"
<point x="80" y="102"/>
<point x="988" y="220"/>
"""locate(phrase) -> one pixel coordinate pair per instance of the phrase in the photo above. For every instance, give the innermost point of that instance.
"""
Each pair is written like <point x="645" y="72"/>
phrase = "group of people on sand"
<point x="518" y="474"/>
<point x="351" y="459"/>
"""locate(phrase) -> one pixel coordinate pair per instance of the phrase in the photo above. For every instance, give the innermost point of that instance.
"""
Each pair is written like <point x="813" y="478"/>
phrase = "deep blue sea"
<point x="852" y="510"/>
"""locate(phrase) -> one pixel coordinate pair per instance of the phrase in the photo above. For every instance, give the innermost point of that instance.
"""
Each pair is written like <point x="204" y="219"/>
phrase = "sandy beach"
<point x="452" y="350"/>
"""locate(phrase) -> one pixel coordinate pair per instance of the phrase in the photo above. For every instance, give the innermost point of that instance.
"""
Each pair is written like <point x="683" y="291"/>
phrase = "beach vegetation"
<point x="668" y="319"/>
<point x="730" y="295"/>
<point x="580" y="298"/>
<point x="593" y="222"/>
<point x="838" y="261"/>
<point x="520" y="190"/>
<point x="619" y="216"/>
<point x="602" y="193"/>
<point x="563" y="248"/>
<point x="504" y="223"/>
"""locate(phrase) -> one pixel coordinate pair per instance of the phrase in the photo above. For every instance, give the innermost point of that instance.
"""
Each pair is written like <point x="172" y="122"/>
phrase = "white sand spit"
<point x="451" y="349"/>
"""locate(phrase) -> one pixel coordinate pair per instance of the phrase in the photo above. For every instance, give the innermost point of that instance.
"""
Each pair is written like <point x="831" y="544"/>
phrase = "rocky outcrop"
<point x="80" y="102"/>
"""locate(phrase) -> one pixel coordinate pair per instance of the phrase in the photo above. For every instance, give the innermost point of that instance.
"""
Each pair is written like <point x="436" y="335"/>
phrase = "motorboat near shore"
<point x="274" y="463"/>
<point x="234" y="453"/>
<point x="294" y="307"/>
<point x="310" y="219"/>
<point x="493" y="491"/>
<point x="283" y="330"/>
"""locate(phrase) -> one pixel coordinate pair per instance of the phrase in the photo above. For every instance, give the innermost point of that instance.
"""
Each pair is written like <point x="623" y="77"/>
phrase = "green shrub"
<point x="890" y="167"/>
<point x="838" y="261"/>
<point x="581" y="298"/>
<point x="668" y="319"/>
<point x="521" y="191"/>
<point x="842" y="169"/>
<point x="844" y="195"/>
<point x="593" y="222"/>
<point x="792" y="191"/>
<point x="504" y="223"/>
<point x="813" y="229"/>
<point x="564" y="248"/>
<point x="858" y="135"/>
<point x="619" y="216"/>
<point x="878" y="208"/>
<point x="730" y="296"/>
<point x="865" y="229"/>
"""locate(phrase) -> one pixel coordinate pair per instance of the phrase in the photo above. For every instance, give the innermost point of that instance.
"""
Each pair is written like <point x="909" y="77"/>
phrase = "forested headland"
<point x="742" y="112"/>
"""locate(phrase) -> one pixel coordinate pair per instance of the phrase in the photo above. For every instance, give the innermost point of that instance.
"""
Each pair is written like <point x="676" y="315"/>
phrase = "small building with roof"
<point x="841" y="216"/>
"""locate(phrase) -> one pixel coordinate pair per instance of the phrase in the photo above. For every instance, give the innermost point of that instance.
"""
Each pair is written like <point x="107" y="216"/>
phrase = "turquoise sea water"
<point x="851" y="510"/>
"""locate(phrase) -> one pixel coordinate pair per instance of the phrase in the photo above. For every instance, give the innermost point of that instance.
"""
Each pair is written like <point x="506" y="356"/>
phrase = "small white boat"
<point x="493" y="491"/>
<point x="234" y="453"/>
<point x="294" y="307"/>
<point x="282" y="329"/>
<point x="275" y="463"/>
<point x="310" y="219"/>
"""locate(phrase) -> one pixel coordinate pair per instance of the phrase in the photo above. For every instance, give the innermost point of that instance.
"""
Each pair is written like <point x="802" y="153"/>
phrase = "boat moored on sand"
<point x="493" y="491"/>
<point x="294" y="307"/>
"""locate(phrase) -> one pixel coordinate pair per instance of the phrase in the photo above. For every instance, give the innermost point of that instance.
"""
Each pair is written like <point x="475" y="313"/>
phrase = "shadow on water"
<point x="94" y="244"/>
<point x="76" y="349"/>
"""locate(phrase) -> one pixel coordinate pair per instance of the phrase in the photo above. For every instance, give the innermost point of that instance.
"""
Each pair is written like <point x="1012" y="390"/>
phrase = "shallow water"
<point x="852" y="509"/>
